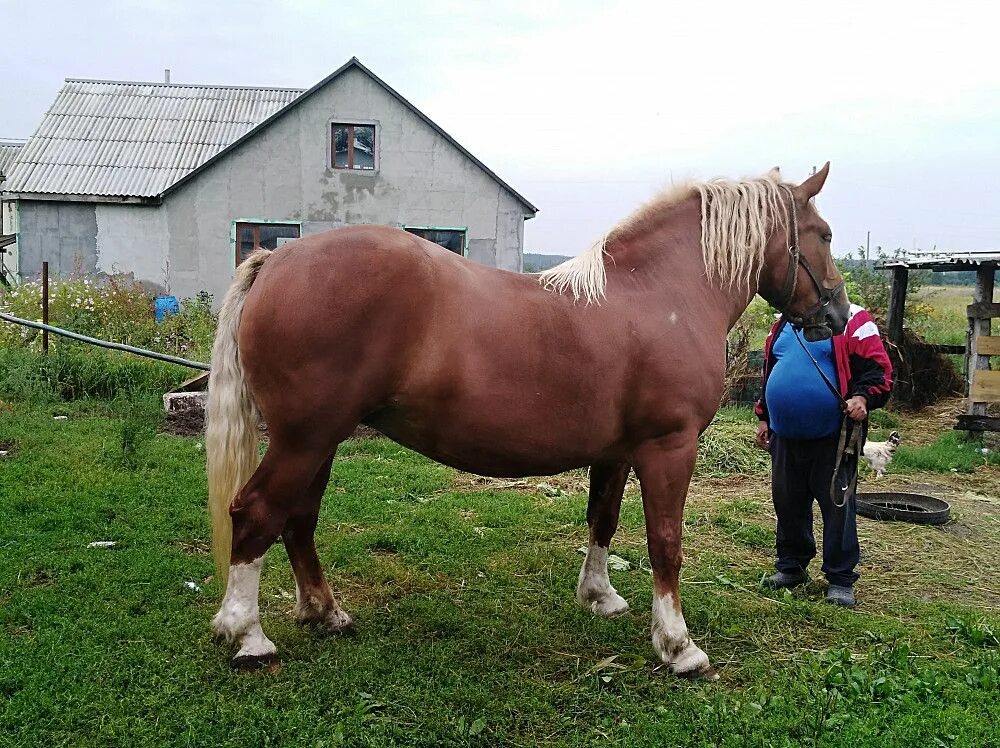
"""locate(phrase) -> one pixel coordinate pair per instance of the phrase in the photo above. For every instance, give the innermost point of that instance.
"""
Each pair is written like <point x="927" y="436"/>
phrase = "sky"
<point x="589" y="108"/>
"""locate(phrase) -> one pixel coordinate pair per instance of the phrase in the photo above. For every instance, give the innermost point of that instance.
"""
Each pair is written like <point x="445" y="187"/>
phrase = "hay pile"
<point x="728" y="449"/>
<point x="921" y="375"/>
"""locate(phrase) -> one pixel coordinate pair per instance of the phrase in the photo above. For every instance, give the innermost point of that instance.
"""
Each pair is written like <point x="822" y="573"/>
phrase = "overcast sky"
<point x="587" y="108"/>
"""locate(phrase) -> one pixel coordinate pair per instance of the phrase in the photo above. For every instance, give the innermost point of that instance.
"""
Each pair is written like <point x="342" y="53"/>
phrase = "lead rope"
<point x="846" y="444"/>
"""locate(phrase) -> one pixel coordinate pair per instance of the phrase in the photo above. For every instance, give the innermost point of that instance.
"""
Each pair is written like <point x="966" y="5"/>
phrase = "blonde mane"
<point x="737" y="218"/>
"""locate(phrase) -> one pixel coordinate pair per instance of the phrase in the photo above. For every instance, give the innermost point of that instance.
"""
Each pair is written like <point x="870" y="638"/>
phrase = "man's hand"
<point x="763" y="436"/>
<point x="857" y="408"/>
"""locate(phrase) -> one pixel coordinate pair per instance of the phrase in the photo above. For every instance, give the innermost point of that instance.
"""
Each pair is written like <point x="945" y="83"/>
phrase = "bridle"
<point x="851" y="439"/>
<point x="826" y="295"/>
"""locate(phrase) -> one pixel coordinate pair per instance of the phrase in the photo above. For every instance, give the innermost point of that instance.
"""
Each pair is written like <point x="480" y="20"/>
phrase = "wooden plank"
<point x="955" y="350"/>
<point x="985" y="387"/>
<point x="987" y="345"/>
<point x="978" y="423"/>
<point x="983" y="310"/>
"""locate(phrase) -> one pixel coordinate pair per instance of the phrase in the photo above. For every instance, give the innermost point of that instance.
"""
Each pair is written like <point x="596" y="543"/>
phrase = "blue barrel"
<point x="164" y="306"/>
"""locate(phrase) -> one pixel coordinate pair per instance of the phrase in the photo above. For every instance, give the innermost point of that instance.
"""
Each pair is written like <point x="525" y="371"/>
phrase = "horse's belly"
<point x="497" y="445"/>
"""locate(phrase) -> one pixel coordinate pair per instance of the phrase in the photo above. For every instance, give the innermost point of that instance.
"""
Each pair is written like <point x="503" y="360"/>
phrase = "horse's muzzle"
<point x="831" y="320"/>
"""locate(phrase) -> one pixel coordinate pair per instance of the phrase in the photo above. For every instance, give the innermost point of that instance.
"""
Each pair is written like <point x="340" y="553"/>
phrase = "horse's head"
<point x="799" y="276"/>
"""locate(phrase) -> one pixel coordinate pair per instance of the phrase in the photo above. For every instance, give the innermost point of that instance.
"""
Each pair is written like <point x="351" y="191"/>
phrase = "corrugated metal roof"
<point x="960" y="260"/>
<point x="124" y="139"/>
<point x="8" y="152"/>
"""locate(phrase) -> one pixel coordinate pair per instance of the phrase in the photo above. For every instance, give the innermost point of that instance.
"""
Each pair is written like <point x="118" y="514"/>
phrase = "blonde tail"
<point x="232" y="443"/>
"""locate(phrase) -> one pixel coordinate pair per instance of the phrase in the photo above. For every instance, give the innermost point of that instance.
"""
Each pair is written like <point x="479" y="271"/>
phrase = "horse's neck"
<point x="663" y="262"/>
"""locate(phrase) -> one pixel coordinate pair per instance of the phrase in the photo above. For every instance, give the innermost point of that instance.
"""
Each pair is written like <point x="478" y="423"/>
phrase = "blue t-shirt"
<point x="799" y="404"/>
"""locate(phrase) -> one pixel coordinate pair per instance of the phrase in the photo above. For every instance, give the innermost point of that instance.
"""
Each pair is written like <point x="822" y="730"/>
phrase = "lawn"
<point x="462" y="589"/>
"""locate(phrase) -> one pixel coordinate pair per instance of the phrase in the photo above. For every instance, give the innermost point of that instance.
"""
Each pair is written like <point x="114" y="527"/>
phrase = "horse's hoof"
<point x="248" y="663"/>
<point x="329" y="622"/>
<point x="336" y="628"/>
<point x="708" y="674"/>
<point x="610" y="606"/>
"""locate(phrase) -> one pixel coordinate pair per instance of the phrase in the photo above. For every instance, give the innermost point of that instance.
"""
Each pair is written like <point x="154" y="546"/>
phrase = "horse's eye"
<point x="827" y="238"/>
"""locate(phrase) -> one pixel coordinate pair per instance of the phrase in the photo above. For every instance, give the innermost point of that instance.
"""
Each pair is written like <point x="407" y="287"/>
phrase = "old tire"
<point x="904" y="507"/>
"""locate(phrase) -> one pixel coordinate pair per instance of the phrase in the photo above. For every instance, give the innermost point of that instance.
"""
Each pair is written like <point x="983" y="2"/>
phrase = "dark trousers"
<point x="801" y="472"/>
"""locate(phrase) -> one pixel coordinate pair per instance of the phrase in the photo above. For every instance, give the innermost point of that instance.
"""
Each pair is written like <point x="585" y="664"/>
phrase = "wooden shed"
<point x="982" y="383"/>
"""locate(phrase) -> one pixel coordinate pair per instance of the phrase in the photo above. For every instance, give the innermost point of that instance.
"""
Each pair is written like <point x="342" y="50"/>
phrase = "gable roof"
<point x="8" y="152"/>
<point x="124" y="139"/>
<point x="116" y="139"/>
<point x="354" y="62"/>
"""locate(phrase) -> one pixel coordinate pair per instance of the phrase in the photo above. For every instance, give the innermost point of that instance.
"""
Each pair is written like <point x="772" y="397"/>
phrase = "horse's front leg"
<point x="664" y="467"/>
<point x="259" y="515"/>
<point x="593" y="589"/>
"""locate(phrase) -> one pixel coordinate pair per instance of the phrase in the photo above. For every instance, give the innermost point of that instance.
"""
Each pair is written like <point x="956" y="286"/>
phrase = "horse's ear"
<point x="775" y="173"/>
<point x="811" y="187"/>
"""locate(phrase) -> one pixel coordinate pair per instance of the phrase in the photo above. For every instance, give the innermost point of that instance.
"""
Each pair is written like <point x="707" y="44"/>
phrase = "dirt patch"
<point x="185" y="421"/>
<point x="194" y="547"/>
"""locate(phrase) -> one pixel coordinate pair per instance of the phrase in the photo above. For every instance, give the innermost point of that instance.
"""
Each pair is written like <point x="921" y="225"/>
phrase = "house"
<point x="177" y="183"/>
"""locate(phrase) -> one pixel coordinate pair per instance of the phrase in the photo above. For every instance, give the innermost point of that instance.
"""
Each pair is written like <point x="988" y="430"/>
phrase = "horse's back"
<point x="450" y="357"/>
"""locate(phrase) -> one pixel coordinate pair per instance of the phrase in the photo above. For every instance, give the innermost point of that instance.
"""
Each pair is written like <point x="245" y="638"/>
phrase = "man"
<point x="800" y="424"/>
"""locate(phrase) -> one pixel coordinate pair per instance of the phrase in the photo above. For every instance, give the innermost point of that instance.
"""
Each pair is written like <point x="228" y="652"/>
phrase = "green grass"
<point x="945" y="322"/>
<point x="467" y="629"/>
<point x="73" y="371"/>
<point x="950" y="452"/>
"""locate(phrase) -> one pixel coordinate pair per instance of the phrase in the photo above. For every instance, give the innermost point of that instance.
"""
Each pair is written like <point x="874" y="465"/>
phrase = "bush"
<point x="117" y="309"/>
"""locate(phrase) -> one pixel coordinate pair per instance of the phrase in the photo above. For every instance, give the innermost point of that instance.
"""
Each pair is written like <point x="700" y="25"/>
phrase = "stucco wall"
<point x="133" y="239"/>
<point x="64" y="234"/>
<point x="283" y="174"/>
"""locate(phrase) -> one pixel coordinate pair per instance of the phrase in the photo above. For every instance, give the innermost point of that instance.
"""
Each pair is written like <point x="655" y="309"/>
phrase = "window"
<point x="354" y="147"/>
<point x="451" y="239"/>
<point x="251" y="236"/>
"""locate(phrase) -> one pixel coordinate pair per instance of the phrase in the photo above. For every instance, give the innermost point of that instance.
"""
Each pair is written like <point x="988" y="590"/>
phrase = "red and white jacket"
<point x="863" y="366"/>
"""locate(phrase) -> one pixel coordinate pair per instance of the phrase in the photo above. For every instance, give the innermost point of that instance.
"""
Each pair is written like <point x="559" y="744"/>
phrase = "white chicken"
<point x="879" y="454"/>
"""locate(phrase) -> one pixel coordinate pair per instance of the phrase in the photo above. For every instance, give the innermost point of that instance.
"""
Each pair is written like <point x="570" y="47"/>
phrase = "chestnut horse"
<point x="614" y="360"/>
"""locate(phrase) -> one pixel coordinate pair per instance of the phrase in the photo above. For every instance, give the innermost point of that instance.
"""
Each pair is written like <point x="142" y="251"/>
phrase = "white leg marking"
<point x="239" y="617"/>
<point x="671" y="640"/>
<point x="593" y="589"/>
<point x="255" y="644"/>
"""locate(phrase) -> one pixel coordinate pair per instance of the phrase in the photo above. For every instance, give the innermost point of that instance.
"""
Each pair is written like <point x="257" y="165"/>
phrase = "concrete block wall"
<point x="62" y="233"/>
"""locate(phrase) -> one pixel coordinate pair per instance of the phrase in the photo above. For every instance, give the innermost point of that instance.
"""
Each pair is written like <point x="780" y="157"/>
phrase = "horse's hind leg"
<point x="260" y="513"/>
<point x="315" y="603"/>
<point x="594" y="590"/>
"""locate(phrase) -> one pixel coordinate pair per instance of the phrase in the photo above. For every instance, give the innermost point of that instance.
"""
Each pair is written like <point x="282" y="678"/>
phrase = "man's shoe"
<point x="783" y="579"/>
<point x="842" y="596"/>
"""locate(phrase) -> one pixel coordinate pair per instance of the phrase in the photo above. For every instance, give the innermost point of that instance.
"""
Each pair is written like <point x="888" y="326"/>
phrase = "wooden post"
<point x="897" y="303"/>
<point x="45" y="306"/>
<point x="980" y="326"/>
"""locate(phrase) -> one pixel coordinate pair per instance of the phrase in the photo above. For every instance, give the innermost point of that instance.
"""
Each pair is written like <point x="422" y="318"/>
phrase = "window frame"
<point x="234" y="243"/>
<point x="331" y="154"/>
<point x="464" y="230"/>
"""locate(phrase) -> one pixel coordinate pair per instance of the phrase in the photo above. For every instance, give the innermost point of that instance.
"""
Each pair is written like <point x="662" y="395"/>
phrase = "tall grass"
<point x="71" y="372"/>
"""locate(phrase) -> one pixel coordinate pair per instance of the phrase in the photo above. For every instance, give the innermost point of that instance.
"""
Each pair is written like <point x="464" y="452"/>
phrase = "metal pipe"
<point x="104" y="343"/>
<point x="45" y="306"/>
